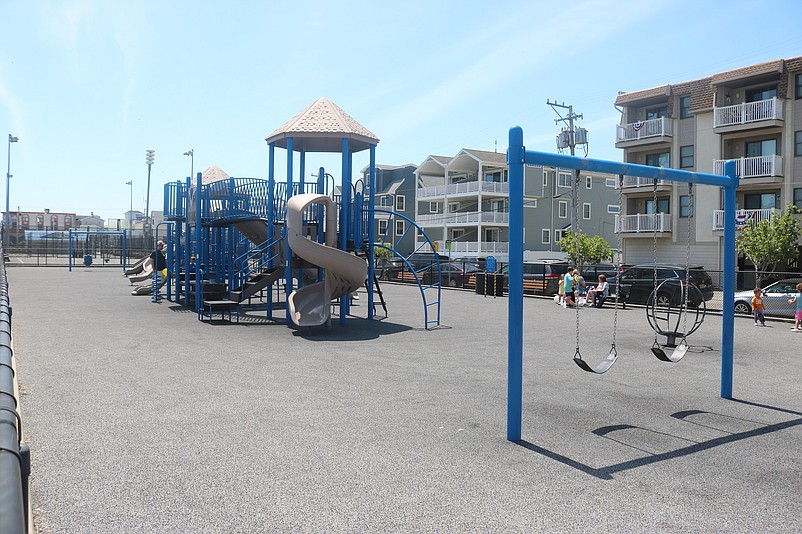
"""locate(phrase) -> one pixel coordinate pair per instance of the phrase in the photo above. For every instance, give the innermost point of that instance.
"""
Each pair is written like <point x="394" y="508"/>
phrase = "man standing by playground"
<point x="159" y="261"/>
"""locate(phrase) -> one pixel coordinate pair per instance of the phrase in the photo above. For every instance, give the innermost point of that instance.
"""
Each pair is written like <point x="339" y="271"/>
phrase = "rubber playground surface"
<point x="143" y="419"/>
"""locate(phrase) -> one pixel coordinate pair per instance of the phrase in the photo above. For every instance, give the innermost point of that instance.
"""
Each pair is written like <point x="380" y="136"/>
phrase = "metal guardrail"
<point x="15" y="458"/>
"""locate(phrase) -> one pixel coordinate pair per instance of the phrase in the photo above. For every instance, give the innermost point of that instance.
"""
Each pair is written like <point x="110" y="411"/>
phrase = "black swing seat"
<point x="676" y="355"/>
<point x="603" y="366"/>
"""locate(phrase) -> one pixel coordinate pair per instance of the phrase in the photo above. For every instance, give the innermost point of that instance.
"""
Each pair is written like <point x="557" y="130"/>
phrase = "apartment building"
<point x="462" y="203"/>
<point x="395" y="191"/>
<point x="752" y="115"/>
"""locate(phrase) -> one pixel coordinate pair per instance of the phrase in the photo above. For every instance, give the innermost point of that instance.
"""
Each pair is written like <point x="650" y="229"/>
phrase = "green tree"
<point x="381" y="252"/>
<point x="591" y="250"/>
<point x="769" y="242"/>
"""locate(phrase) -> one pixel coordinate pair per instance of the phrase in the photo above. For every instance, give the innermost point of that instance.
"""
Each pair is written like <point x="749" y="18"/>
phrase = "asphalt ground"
<point x="143" y="419"/>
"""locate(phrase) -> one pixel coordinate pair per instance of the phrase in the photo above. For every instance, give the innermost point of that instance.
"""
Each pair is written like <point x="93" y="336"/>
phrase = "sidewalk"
<point x="142" y="419"/>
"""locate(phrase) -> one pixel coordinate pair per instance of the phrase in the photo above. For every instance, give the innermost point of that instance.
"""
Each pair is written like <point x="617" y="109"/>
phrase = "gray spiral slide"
<point x="344" y="273"/>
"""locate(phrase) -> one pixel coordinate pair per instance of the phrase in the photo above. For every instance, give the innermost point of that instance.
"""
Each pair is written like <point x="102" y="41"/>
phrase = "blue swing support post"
<point x="517" y="157"/>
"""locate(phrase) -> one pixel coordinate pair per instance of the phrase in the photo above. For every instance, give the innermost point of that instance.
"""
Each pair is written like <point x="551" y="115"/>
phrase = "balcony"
<point x="743" y="217"/>
<point x="638" y="181"/>
<point x="758" y="166"/>
<point x="760" y="114"/>
<point x="462" y="188"/>
<point x="494" y="247"/>
<point x="643" y="132"/>
<point x="463" y="218"/>
<point x="643" y="223"/>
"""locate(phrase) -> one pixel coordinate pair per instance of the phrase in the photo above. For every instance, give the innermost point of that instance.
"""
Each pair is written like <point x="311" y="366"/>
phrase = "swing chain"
<point x="618" y="258"/>
<point x="575" y="232"/>
<point x="688" y="263"/>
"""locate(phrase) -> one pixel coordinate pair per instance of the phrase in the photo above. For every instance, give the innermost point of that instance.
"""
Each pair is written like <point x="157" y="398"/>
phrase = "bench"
<point x="534" y="286"/>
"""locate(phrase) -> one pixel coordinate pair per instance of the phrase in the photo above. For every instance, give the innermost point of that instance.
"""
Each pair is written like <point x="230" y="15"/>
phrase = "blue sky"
<point x="89" y="85"/>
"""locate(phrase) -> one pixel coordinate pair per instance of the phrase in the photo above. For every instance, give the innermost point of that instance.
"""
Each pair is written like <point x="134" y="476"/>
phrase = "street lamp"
<point x="131" y="208"/>
<point x="7" y="221"/>
<point x="191" y="154"/>
<point x="150" y="155"/>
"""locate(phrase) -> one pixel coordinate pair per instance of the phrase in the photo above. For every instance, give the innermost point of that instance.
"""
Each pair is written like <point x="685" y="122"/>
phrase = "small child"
<point x="798" y="300"/>
<point x="757" y="307"/>
<point x="561" y="290"/>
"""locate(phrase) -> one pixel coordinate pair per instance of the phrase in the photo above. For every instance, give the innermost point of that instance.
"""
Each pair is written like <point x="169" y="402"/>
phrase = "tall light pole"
<point x="131" y="208"/>
<point x="150" y="155"/>
<point x="191" y="154"/>
<point x="7" y="221"/>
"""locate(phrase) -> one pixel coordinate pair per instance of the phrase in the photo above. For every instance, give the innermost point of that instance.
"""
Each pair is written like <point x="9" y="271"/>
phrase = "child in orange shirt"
<point x="757" y="307"/>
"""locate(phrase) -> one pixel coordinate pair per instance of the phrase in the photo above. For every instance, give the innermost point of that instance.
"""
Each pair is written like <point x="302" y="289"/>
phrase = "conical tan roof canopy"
<point x="321" y="127"/>
<point x="213" y="174"/>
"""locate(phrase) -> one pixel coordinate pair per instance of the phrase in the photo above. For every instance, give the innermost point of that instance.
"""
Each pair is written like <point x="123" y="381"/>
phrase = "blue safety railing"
<point x="256" y="260"/>
<point x="174" y="200"/>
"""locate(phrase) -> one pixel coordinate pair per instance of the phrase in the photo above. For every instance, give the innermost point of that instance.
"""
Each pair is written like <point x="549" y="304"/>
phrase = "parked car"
<point x="451" y="275"/>
<point x="591" y="272"/>
<point x="424" y="260"/>
<point x="388" y="268"/>
<point x="639" y="281"/>
<point x="775" y="298"/>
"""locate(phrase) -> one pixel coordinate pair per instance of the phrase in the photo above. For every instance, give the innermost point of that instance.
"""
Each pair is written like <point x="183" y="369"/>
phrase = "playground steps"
<point x="255" y="284"/>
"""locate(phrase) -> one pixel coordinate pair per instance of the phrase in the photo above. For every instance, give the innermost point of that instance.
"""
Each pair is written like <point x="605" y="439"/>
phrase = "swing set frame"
<point x="517" y="157"/>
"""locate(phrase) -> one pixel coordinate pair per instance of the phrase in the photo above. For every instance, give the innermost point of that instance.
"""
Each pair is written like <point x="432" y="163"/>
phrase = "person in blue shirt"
<point x="570" y="296"/>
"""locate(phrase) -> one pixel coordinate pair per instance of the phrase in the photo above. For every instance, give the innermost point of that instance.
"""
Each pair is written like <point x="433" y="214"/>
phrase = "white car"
<point x="775" y="298"/>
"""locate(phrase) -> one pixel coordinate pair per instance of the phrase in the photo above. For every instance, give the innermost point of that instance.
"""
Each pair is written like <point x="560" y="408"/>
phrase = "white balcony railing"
<point x="643" y="129"/>
<point x="753" y="167"/>
<point x="743" y="217"/>
<point x="463" y="188"/>
<point x="746" y="112"/>
<point x="643" y="222"/>
<point x="463" y="218"/>
<point x="637" y="181"/>
<point x="491" y="247"/>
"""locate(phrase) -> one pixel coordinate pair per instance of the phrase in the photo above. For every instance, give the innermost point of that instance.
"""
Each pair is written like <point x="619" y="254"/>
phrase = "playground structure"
<point x="517" y="157"/>
<point x="253" y="236"/>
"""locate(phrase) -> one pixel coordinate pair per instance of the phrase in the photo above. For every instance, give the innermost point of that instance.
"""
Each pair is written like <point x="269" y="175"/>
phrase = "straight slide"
<point x="344" y="273"/>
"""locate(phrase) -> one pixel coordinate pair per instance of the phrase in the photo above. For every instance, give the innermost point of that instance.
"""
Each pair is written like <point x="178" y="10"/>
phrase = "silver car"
<point x="775" y="298"/>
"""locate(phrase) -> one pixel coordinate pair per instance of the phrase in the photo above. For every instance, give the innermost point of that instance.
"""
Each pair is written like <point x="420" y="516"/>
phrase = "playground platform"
<point x="143" y="419"/>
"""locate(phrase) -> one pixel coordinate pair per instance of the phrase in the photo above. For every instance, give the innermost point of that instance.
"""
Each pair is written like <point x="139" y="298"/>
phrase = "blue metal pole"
<point x="371" y="229"/>
<point x="345" y="206"/>
<point x="271" y="215"/>
<point x="515" y="300"/>
<point x="728" y="303"/>
<point x="188" y="239"/>
<point x="200" y="256"/>
<point x="288" y="271"/>
<point x="302" y="171"/>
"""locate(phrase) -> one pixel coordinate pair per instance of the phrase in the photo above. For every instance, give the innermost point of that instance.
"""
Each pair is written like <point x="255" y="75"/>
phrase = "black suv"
<point x="639" y="281"/>
<point x="388" y="268"/>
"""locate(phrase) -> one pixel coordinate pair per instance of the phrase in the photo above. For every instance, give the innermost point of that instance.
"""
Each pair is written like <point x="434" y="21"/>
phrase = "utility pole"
<point x="569" y="137"/>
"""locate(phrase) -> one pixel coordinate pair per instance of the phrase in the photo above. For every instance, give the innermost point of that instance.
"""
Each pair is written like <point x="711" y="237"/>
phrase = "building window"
<point x="400" y="203"/>
<point x="399" y="228"/>
<point x="656" y="113"/>
<point x="545" y="179"/>
<point x="609" y="182"/>
<point x="564" y="179"/>
<point x="685" y="206"/>
<point x="545" y="236"/>
<point x="562" y="209"/>
<point x="798" y="143"/>
<point x="798" y="91"/>
<point x="530" y="202"/>
<point x="558" y="235"/>
<point x="453" y="207"/>
<point x="756" y="95"/>
<point x="434" y="207"/>
<point x="613" y="208"/>
<point x="457" y="234"/>
<point x="766" y="147"/>
<point x="685" y="156"/>
<point x="588" y="182"/>
<point x="760" y="201"/>
<point x="382" y="227"/>
<point x="685" y="107"/>
<point x="658" y="160"/>
<point x="586" y="210"/>
<point x="797" y="197"/>
<point x="25" y="221"/>
<point x="662" y="206"/>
